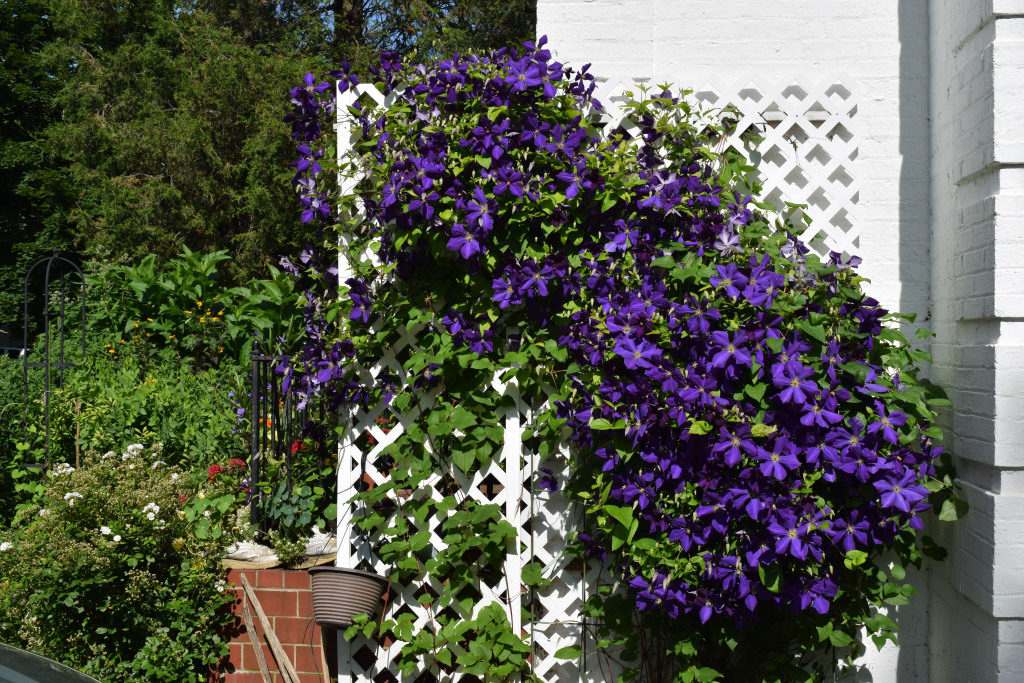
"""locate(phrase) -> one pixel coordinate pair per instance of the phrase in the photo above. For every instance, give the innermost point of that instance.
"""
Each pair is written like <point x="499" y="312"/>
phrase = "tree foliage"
<point x="137" y="128"/>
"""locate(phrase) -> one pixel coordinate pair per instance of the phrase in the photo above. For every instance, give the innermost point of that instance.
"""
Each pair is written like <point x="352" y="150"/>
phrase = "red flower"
<point x="214" y="470"/>
<point x="298" y="446"/>
<point x="236" y="464"/>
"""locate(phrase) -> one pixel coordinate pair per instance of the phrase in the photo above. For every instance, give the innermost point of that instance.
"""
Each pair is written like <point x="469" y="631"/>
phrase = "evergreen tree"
<point x="143" y="126"/>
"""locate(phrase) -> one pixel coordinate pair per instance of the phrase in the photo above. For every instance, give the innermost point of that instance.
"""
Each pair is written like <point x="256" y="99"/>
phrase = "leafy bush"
<point x="750" y="434"/>
<point x="138" y="395"/>
<point x="104" y="573"/>
<point x="183" y="305"/>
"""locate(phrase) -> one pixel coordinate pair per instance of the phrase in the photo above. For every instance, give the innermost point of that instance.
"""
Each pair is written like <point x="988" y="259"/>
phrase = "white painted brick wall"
<point x="977" y="605"/>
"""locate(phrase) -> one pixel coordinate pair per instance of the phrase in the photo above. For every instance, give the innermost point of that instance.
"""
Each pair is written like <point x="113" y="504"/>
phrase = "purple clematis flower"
<point x="464" y="241"/>
<point x="901" y="494"/>
<point x="642" y="354"/>
<point x="789" y="534"/>
<point x="795" y="382"/>
<point x="730" y="279"/>
<point x="730" y="351"/>
<point x="887" y="423"/>
<point x="779" y="460"/>
<point x="479" y="210"/>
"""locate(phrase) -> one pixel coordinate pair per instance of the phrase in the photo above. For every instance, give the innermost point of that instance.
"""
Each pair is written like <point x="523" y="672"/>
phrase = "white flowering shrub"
<point x="106" y="574"/>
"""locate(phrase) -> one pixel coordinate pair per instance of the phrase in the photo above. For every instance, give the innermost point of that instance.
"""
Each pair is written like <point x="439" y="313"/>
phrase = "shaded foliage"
<point x="138" y="128"/>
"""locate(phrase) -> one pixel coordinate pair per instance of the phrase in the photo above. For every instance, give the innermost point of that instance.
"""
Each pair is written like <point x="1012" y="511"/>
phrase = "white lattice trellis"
<point x="808" y="153"/>
<point x="807" y="157"/>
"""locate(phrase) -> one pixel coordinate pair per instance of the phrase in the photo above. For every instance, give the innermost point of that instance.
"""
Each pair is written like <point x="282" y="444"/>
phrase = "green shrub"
<point x="129" y="400"/>
<point x="104" y="573"/>
<point x="184" y="305"/>
<point x="136" y="395"/>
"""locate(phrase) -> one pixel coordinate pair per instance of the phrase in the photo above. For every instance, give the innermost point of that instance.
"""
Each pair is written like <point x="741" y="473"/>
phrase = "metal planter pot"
<point x="340" y="593"/>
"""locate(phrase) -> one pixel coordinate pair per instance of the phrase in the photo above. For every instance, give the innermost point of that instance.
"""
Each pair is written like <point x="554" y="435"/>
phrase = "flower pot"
<point x="340" y="593"/>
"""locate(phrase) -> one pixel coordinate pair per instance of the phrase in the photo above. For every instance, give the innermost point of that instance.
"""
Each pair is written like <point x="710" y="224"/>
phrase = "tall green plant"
<point x="187" y="305"/>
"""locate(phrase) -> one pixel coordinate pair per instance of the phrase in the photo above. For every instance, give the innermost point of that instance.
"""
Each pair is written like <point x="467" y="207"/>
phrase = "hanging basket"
<point x="340" y="593"/>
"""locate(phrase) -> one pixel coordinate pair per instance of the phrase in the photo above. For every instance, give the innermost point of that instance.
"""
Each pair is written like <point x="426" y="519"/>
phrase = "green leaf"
<point x="568" y="652"/>
<point x="840" y="639"/>
<point x="953" y="509"/>
<point x="706" y="674"/>
<point x="464" y="460"/>
<point x="761" y="430"/>
<point x="755" y="391"/>
<point x="816" y="331"/>
<point x="622" y="515"/>
<point x="855" y="558"/>
<point x="600" y="423"/>
<point x="645" y="544"/>
<point x="771" y="577"/>
<point x="531" y="574"/>
<point x="419" y="540"/>
<point x="462" y="419"/>
<point x="667" y="261"/>
<point x="700" y="427"/>
<point x="607" y="202"/>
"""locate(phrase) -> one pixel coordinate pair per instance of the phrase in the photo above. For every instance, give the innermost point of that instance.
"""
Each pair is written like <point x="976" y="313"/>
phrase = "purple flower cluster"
<point x="720" y="382"/>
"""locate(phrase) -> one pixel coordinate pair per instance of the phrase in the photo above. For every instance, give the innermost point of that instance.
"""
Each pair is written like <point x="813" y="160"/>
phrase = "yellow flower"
<point x="220" y="312"/>
<point x="135" y="325"/>
<point x="199" y="304"/>
<point x="149" y="319"/>
<point x="188" y="312"/>
<point x="171" y="337"/>
<point x="214" y="319"/>
<point x="202" y="319"/>
<point x="111" y="351"/>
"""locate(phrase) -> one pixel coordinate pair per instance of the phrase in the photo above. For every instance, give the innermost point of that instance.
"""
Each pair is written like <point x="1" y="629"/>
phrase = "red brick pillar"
<point x="287" y="601"/>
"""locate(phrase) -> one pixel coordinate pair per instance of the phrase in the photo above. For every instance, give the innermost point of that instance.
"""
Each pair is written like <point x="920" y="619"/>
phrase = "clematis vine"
<point x="748" y="430"/>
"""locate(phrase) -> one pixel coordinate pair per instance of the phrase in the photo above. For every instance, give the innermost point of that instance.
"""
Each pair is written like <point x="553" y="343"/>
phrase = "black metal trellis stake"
<point x="254" y="468"/>
<point x="276" y="425"/>
<point x="62" y="364"/>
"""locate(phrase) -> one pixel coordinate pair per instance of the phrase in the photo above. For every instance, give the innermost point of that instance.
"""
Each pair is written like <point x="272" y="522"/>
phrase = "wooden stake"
<point x="283" y="663"/>
<point x="254" y="638"/>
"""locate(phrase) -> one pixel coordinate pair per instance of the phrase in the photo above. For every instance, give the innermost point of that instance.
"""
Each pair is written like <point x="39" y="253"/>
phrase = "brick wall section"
<point x="977" y="625"/>
<point x="288" y="603"/>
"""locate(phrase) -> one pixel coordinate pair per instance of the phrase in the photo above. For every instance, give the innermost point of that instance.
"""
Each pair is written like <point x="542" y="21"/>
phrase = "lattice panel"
<point x="808" y="154"/>
<point x="807" y="157"/>
<point x="500" y="482"/>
